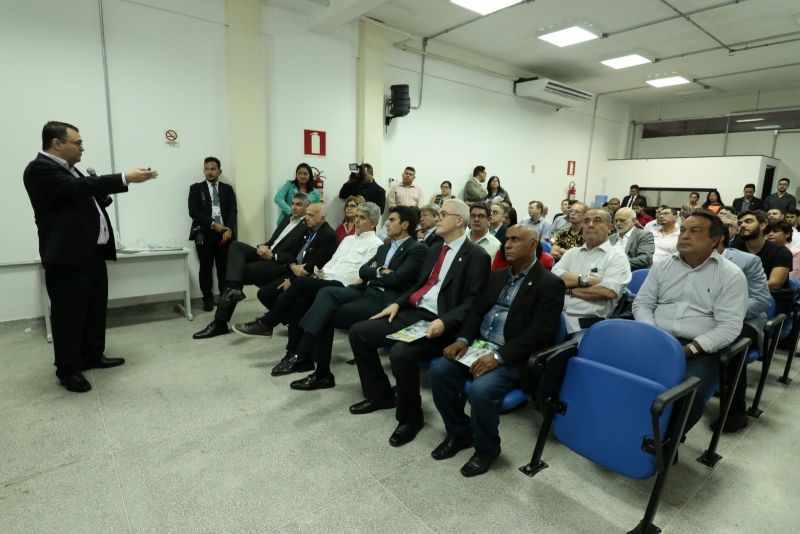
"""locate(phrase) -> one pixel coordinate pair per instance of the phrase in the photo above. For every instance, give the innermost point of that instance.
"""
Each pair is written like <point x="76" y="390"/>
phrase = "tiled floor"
<point x="196" y="436"/>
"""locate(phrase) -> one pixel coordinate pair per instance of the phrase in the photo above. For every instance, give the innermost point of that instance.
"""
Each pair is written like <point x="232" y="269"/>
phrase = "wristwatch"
<point x="497" y="357"/>
<point x="583" y="280"/>
<point x="693" y="348"/>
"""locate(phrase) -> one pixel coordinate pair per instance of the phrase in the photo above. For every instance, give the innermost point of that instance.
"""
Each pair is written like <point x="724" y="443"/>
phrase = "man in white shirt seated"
<point x="666" y="238"/>
<point x="700" y="298"/>
<point x="479" y="229"/>
<point x="595" y="274"/>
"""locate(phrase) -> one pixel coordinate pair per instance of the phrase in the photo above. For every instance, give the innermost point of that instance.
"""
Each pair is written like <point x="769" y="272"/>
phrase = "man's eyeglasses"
<point x="350" y="206"/>
<point x="444" y="214"/>
<point x="478" y="215"/>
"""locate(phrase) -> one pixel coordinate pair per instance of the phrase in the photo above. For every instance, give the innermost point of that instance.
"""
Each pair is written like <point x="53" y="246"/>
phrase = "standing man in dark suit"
<point x="633" y="196"/>
<point x="259" y="265"/>
<point x="749" y="201"/>
<point x="75" y="240"/>
<point x="451" y="279"/>
<point x="212" y="207"/>
<point x="519" y="312"/>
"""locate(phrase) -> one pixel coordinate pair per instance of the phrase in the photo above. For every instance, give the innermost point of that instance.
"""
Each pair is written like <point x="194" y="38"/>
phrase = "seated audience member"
<point x="666" y="238"/>
<point x="748" y="201"/>
<point x="446" y="194"/>
<point x="561" y="219"/>
<point x="313" y="308"/>
<point x="776" y="259"/>
<point x="774" y="215"/>
<point x="704" y="322"/>
<point x="348" y="226"/>
<point x="692" y="205"/>
<point x="713" y="202"/>
<point x="510" y="216"/>
<point x="791" y="217"/>
<point x="612" y="206"/>
<point x="629" y="200"/>
<point x="427" y="225"/>
<point x="500" y="261"/>
<point x="362" y="184"/>
<point x="495" y="193"/>
<point x="473" y="189"/>
<point x="755" y="318"/>
<point x="497" y="225"/>
<point x="573" y="235"/>
<point x="536" y="220"/>
<point x="518" y="311"/>
<point x="781" y="199"/>
<point x="272" y="270"/>
<point x="479" y="229"/>
<point x="449" y="283"/>
<point x="637" y="244"/>
<point x="303" y="183"/>
<point x="642" y="217"/>
<point x="779" y="233"/>
<point x="405" y="193"/>
<point x="595" y="275"/>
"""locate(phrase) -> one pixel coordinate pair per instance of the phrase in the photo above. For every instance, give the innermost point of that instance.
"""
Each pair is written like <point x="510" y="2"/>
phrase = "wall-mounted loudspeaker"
<point x="399" y="103"/>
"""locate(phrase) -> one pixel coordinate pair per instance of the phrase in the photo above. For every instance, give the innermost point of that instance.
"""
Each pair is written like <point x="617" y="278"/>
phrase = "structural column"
<point x="370" y="97"/>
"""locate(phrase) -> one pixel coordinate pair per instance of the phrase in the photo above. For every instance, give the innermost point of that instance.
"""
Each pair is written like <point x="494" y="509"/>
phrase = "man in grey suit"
<point x="474" y="191"/>
<point x="639" y="245"/>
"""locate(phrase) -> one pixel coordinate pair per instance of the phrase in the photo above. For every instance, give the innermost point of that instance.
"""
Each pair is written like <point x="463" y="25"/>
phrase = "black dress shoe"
<point x="478" y="465"/>
<point x="733" y="423"/>
<point x="253" y="329"/>
<point x="450" y="446"/>
<point x="372" y="405"/>
<point x="405" y="432"/>
<point x="293" y="364"/>
<point x="232" y="296"/>
<point x="75" y="382"/>
<point x="208" y="304"/>
<point x="103" y="363"/>
<point x="212" y="330"/>
<point x="312" y="382"/>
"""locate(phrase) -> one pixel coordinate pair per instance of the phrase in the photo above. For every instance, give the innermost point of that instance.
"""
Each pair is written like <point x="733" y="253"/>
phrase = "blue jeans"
<point x="447" y="379"/>
<point x="706" y="368"/>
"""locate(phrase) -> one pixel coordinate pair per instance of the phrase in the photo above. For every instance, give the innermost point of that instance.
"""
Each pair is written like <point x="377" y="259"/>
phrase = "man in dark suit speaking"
<point x="75" y="240"/>
<point x="212" y="207"/>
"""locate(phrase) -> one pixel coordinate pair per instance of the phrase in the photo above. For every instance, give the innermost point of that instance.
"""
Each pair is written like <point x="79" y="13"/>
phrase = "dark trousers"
<point x="335" y="307"/>
<point x="269" y="294"/>
<point x="246" y="267"/>
<point x="365" y="339"/>
<point x="78" y="301"/>
<point x="212" y="252"/>
<point x="447" y="385"/>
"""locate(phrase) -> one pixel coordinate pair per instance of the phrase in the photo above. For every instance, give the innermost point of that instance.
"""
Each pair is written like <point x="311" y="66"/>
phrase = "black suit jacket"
<point x="200" y="206"/>
<point x="405" y="266"/>
<point x="462" y="284"/>
<point x="321" y="249"/>
<point x="433" y="239"/>
<point x="532" y="320"/>
<point x="286" y="251"/>
<point x="755" y="204"/>
<point x="626" y="198"/>
<point x="501" y="233"/>
<point x="65" y="212"/>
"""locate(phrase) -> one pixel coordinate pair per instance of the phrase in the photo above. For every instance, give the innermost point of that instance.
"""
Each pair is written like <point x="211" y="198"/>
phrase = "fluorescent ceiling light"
<point x="569" y="36"/>
<point x="750" y="120"/>
<point x="666" y="82"/>
<point x="768" y="127"/>
<point x="626" y="61"/>
<point x="484" y="7"/>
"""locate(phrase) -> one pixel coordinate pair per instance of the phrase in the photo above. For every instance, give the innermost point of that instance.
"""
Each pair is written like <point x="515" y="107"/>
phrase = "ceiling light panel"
<point x="624" y="62"/>
<point x="569" y="36"/>
<point x="749" y="120"/>
<point x="484" y="7"/>
<point x="768" y="127"/>
<point x="667" y="82"/>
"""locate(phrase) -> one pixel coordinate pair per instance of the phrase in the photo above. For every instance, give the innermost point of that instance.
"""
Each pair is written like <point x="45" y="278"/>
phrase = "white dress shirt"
<point x="352" y="253"/>
<point x="430" y="301"/>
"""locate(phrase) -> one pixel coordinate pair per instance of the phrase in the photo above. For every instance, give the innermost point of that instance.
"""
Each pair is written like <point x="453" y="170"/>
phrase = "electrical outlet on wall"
<point x="533" y="168"/>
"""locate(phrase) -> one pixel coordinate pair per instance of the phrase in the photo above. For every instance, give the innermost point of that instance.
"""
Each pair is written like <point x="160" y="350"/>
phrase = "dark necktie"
<point x="302" y="253"/>
<point x="417" y="295"/>
<point x="215" y="202"/>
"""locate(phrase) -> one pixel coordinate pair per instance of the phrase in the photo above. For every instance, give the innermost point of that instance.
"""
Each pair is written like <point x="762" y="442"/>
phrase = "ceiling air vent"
<point x="551" y="92"/>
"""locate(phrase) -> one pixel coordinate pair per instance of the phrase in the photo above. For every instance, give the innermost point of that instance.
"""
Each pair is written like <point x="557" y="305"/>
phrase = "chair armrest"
<point x="685" y="392"/>
<point x="547" y="368"/>
<point x="673" y="394"/>
<point x="738" y="347"/>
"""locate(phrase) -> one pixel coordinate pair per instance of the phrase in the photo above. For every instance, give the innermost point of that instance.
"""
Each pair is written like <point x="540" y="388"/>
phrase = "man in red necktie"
<point x="452" y="277"/>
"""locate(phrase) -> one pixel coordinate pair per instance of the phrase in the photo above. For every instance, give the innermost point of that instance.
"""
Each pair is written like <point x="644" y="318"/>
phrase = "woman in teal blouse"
<point x="302" y="183"/>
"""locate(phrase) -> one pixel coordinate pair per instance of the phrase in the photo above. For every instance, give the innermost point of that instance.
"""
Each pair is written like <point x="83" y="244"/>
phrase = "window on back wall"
<point x="740" y="122"/>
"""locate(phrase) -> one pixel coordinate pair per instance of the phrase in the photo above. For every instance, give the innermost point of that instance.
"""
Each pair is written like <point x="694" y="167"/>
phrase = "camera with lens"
<point x="356" y="172"/>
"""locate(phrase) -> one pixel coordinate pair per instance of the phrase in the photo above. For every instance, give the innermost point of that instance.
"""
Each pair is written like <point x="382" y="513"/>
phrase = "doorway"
<point x="769" y="175"/>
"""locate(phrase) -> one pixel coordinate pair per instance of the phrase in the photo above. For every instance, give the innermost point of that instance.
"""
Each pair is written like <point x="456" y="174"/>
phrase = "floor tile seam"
<point x="403" y="504"/>
<point x="114" y="462"/>
<point x="12" y="481"/>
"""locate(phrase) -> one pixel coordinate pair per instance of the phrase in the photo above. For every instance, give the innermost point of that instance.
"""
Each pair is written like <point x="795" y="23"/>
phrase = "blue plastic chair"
<point x="615" y="407"/>
<point x="637" y="279"/>
<point x="547" y="247"/>
<point x="518" y="398"/>
<point x="795" y="322"/>
<point x="776" y="329"/>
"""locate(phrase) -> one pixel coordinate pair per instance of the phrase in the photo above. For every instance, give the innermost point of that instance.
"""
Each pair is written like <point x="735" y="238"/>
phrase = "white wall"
<point x="468" y="118"/>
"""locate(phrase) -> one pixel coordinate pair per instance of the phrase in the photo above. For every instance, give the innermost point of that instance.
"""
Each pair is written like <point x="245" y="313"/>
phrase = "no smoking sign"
<point x="171" y="138"/>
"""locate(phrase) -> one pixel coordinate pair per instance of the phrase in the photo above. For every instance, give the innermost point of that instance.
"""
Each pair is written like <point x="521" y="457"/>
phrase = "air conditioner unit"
<point x="551" y="92"/>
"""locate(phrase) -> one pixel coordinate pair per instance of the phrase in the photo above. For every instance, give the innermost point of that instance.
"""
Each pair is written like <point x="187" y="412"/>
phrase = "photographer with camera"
<point x="362" y="183"/>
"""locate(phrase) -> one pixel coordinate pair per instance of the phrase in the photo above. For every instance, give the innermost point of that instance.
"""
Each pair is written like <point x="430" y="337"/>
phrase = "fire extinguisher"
<point x="572" y="191"/>
<point x="319" y="183"/>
